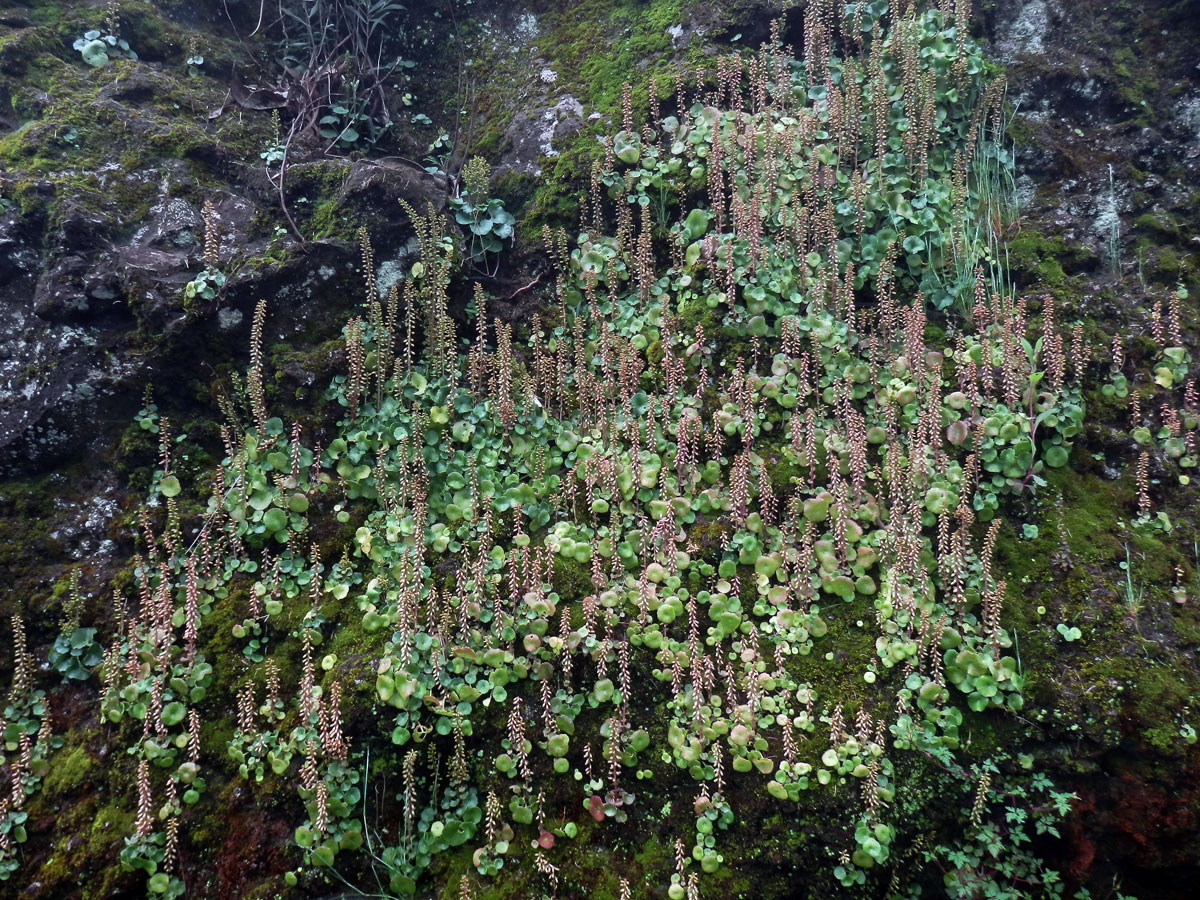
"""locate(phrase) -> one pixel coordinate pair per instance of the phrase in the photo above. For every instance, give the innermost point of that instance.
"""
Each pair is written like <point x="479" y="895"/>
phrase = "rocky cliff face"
<point x="104" y="178"/>
<point x="107" y="172"/>
<point x="1108" y="153"/>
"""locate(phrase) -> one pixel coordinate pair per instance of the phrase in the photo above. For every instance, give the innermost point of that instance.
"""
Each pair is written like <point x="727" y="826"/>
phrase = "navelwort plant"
<point x="97" y="49"/>
<point x="729" y="444"/>
<point x="76" y="651"/>
<point x="488" y="225"/>
<point x="26" y="742"/>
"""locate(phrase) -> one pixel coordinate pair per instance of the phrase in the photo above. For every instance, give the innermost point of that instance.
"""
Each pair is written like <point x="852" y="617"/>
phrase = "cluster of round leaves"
<point x="97" y="49"/>
<point x="895" y="207"/>
<point x="205" y="286"/>
<point x="266" y="501"/>
<point x="146" y="854"/>
<point x="1170" y="371"/>
<point x="441" y="826"/>
<point x="180" y="681"/>
<point x="22" y="718"/>
<point x="258" y="751"/>
<point x="343" y="829"/>
<point x="487" y="222"/>
<point x="74" y="655"/>
<point x="476" y="466"/>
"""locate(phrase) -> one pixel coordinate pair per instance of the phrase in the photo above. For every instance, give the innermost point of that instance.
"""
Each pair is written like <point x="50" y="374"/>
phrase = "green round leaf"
<point x="158" y="883"/>
<point x="173" y="714"/>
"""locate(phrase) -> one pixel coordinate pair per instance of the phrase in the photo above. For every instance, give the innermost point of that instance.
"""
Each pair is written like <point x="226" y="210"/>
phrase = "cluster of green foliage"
<point x="76" y="651"/>
<point x="731" y="475"/>
<point x="345" y="60"/>
<point x="97" y="50"/>
<point x="26" y="744"/>
<point x="489" y="225"/>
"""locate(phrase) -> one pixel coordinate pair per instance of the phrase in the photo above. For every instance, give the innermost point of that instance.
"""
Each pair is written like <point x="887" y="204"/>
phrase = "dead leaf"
<point x="254" y="97"/>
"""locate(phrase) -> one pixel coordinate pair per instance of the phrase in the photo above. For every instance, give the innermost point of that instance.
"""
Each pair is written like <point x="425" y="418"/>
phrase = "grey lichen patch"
<point x="532" y="135"/>
<point x="1023" y="33"/>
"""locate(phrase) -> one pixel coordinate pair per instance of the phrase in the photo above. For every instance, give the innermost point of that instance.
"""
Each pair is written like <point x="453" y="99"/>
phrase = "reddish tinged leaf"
<point x="596" y="807"/>
<point x="546" y="839"/>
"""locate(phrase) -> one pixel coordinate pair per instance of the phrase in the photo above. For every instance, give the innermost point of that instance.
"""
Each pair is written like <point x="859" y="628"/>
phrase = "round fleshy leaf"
<point x="94" y="53"/>
<point x="173" y="714"/>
